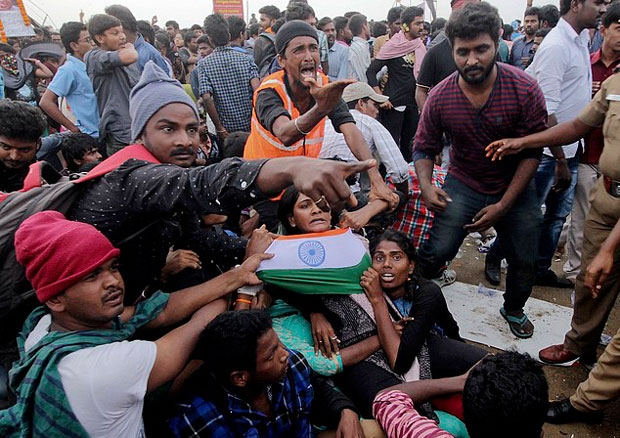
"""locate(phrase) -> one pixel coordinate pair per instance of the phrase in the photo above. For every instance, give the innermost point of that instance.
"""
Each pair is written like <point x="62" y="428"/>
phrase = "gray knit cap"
<point x="154" y="91"/>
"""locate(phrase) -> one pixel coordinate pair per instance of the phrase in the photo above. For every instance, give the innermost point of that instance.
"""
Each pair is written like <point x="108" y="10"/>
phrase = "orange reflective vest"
<point x="263" y="144"/>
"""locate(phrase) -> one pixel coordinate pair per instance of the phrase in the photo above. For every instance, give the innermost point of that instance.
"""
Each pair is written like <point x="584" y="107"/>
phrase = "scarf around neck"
<point x="399" y="45"/>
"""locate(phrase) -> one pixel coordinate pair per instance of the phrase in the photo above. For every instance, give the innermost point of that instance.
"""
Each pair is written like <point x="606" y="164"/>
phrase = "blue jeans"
<point x="557" y="208"/>
<point x="517" y="230"/>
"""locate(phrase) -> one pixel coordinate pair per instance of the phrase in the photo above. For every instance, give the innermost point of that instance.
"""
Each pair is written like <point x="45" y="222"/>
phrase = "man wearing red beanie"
<point x="79" y="374"/>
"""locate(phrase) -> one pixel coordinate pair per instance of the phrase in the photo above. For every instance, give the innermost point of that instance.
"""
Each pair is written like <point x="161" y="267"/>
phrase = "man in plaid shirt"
<point x="227" y="80"/>
<point x="415" y="219"/>
<point x="251" y="385"/>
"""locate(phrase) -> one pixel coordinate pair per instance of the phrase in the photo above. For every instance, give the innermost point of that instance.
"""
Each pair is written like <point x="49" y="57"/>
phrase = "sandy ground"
<point x="562" y="380"/>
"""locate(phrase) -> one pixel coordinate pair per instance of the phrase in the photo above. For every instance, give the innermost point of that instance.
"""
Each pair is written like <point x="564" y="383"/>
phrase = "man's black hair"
<point x="542" y="32"/>
<point x="172" y="23"/>
<point x="356" y="23"/>
<point x="189" y="36"/>
<point x="534" y="10"/>
<point x="8" y="48"/>
<point x="203" y="39"/>
<point x="234" y="145"/>
<point x="394" y="14"/>
<point x="20" y="121"/>
<point x="123" y="13"/>
<point x="99" y="23"/>
<point x="236" y="25"/>
<point x="216" y="27"/>
<point x="349" y="14"/>
<point x="298" y="11"/>
<point x="379" y="28"/>
<point x="508" y="31"/>
<point x="506" y="396"/>
<point x="195" y="27"/>
<point x="254" y="29"/>
<point x="612" y="15"/>
<point x="229" y="342"/>
<point x="550" y="14"/>
<point x="340" y="23"/>
<point x="437" y="24"/>
<point x="147" y="31"/>
<point x="271" y="11"/>
<point x="70" y="33"/>
<point x="324" y="22"/>
<point x="74" y="146"/>
<point x="473" y="20"/>
<point x="409" y="14"/>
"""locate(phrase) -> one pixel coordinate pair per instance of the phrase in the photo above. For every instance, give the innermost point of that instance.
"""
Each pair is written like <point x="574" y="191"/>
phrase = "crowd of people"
<point x="244" y="229"/>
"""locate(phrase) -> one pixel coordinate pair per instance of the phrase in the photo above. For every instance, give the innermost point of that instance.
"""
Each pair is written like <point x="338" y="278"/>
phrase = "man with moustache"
<point x="481" y="101"/>
<point x="290" y="110"/>
<point x="338" y="54"/>
<point x="521" y="48"/>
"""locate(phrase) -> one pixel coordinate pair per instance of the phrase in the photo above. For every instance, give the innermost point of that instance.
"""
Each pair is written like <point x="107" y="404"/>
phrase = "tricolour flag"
<point x="319" y="263"/>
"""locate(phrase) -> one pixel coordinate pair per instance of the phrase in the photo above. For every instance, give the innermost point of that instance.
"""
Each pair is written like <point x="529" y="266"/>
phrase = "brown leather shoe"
<point x="556" y="354"/>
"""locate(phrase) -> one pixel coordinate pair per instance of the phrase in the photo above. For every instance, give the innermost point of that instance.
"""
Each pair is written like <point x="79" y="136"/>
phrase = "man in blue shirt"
<point x="146" y="51"/>
<point x="338" y="54"/>
<point x="251" y="385"/>
<point x="520" y="52"/>
<point x="72" y="83"/>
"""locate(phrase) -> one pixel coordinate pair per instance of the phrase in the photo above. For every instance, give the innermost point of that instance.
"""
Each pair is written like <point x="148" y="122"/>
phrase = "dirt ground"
<point x="562" y="380"/>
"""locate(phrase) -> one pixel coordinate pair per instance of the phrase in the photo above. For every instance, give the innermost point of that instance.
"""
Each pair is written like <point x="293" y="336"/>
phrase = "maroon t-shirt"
<point x="515" y="108"/>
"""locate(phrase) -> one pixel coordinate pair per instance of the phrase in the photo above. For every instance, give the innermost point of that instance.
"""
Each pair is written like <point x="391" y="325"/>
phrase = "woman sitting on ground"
<point x="365" y="348"/>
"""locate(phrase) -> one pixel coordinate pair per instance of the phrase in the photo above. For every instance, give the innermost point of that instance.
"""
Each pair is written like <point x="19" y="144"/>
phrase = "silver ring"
<point x="321" y="199"/>
<point x="320" y="341"/>
<point x="333" y="338"/>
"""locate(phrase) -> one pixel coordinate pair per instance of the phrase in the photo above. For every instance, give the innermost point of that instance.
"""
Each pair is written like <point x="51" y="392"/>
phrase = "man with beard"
<point x="338" y="54"/>
<point x="521" y="48"/>
<point x="481" y="101"/>
<point x="290" y="109"/>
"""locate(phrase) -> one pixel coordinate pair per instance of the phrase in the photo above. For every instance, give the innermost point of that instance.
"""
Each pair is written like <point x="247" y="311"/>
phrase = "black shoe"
<point x="561" y="412"/>
<point x="492" y="269"/>
<point x="550" y="279"/>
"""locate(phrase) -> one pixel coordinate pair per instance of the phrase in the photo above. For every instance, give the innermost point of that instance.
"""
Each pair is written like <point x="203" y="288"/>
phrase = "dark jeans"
<point x="557" y="208"/>
<point x="517" y="231"/>
<point x="402" y="125"/>
<point x="362" y="381"/>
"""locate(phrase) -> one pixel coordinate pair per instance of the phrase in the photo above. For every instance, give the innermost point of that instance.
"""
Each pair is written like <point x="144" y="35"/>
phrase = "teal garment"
<point x="42" y="408"/>
<point x="452" y="424"/>
<point x="295" y="332"/>
<point x="504" y="51"/>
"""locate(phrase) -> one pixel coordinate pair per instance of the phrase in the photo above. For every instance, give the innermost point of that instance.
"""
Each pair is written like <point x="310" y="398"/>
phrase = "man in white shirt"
<point x="359" y="51"/>
<point x="79" y="373"/>
<point x="363" y="106"/>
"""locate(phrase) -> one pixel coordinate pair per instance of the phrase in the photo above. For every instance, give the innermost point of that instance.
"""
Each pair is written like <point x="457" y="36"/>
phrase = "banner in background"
<point x="227" y="7"/>
<point x="14" y="21"/>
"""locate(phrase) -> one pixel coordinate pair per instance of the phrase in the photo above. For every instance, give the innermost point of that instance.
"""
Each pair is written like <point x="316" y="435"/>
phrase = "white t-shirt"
<point x="105" y="385"/>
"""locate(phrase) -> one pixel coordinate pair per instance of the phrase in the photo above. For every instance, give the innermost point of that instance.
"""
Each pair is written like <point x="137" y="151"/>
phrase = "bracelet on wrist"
<point x="244" y="301"/>
<point x="298" y="129"/>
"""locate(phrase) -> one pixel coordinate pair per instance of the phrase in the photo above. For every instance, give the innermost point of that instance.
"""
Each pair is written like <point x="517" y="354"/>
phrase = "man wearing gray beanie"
<point x="290" y="110"/>
<point x="142" y="191"/>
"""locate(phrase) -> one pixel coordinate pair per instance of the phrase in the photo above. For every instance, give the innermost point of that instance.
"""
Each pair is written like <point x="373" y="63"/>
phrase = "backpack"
<point x="270" y="59"/>
<point x="17" y="207"/>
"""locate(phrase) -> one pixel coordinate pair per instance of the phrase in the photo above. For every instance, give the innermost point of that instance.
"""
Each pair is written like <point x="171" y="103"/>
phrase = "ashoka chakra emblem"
<point x="311" y="252"/>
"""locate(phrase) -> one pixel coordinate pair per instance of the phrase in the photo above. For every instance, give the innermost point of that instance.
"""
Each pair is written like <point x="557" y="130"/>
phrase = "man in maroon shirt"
<point x="480" y="102"/>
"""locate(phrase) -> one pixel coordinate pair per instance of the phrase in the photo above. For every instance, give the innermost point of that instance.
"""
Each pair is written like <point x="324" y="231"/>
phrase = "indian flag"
<point x="320" y="263"/>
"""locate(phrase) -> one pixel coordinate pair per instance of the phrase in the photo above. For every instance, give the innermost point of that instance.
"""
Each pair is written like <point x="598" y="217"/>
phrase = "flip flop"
<point x="516" y="323"/>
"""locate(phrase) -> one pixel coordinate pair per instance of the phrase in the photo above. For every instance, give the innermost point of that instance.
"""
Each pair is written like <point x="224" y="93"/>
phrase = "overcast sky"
<point x="187" y="12"/>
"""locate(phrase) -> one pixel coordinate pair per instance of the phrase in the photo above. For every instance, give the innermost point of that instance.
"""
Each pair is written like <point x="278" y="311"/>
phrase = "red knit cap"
<point x="57" y="253"/>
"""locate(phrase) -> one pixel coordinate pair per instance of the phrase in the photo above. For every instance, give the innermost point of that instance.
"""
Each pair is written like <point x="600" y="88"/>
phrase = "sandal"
<point x="518" y="325"/>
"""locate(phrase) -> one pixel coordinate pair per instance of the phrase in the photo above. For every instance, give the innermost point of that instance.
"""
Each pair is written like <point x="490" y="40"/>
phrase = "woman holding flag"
<point x="349" y="327"/>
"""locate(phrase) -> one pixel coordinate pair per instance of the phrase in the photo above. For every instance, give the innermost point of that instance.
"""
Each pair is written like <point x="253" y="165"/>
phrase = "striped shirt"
<point x="515" y="108"/>
<point x="226" y="75"/>
<point x="395" y="412"/>
<point x="359" y="59"/>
